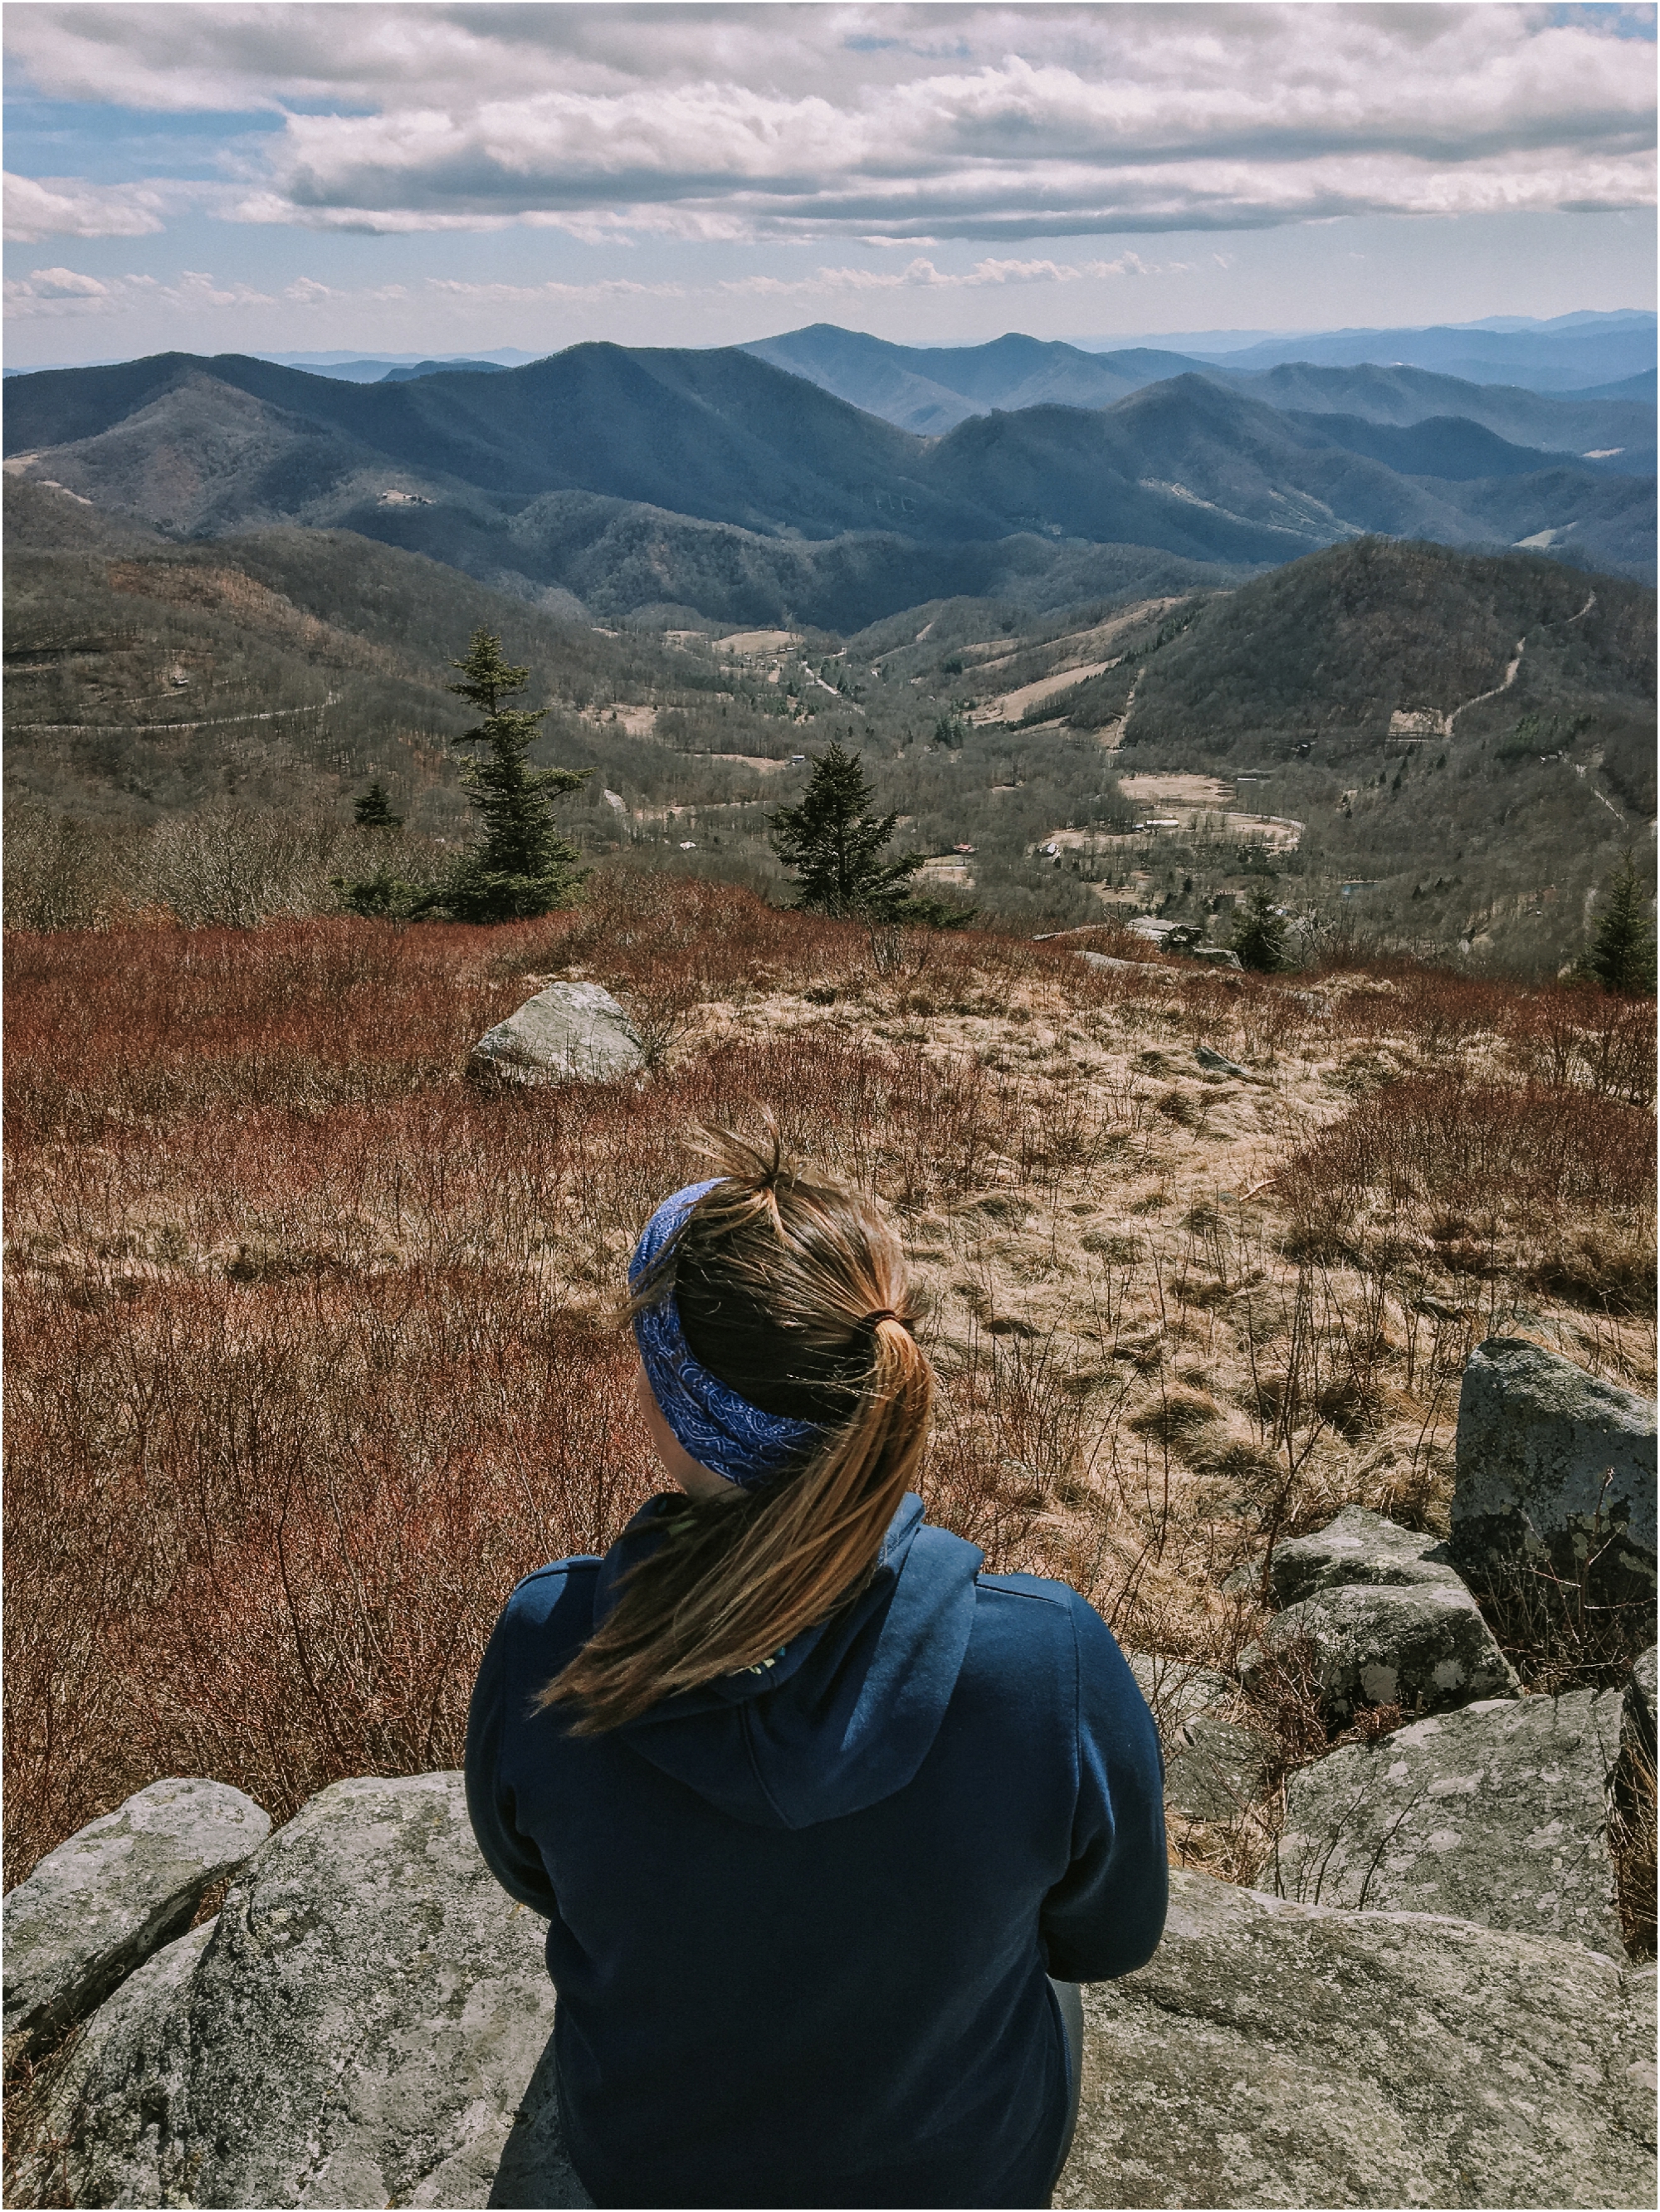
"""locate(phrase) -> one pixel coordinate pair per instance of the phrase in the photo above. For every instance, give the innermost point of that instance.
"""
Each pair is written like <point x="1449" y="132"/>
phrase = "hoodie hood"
<point x="848" y="1710"/>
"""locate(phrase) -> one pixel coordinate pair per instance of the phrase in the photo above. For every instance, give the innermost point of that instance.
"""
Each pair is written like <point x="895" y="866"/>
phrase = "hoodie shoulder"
<point x="562" y="1585"/>
<point x="1062" y="1595"/>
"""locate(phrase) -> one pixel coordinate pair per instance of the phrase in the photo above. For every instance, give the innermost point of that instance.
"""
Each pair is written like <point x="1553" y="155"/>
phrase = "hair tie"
<point x="882" y="1314"/>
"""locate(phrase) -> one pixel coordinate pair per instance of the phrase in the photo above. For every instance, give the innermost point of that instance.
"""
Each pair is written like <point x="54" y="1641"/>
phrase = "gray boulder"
<point x="1279" y="2054"/>
<point x="568" y="1032"/>
<point x="360" y="2029"/>
<point x="1215" y="1767"/>
<point x="1423" y="1648"/>
<point x="1553" y="1466"/>
<point x="117" y="1891"/>
<point x="1358" y="1547"/>
<point x="111" y="2124"/>
<point x="1496" y="1814"/>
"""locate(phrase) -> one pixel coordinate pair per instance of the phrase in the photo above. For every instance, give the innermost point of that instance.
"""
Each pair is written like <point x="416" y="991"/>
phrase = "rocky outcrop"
<point x="1215" y="1766"/>
<point x="1555" y="1469"/>
<point x="1424" y="1647"/>
<point x="1496" y="1814"/>
<point x="356" y="2028"/>
<point x="368" y="2020"/>
<point x="568" y="1032"/>
<point x="98" y="1907"/>
<point x="1280" y="2054"/>
<point x="1359" y="1547"/>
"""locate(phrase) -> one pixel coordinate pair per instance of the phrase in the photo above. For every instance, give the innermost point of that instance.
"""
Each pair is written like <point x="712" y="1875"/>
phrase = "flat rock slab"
<point x="1553" y="1463"/>
<point x="1358" y="1547"/>
<point x="1496" y="1814"/>
<point x="114" y="1893"/>
<point x="569" y="1032"/>
<point x="1277" y="2054"/>
<point x="358" y="2028"/>
<point x="1215" y="1768"/>
<point x="1424" y="1648"/>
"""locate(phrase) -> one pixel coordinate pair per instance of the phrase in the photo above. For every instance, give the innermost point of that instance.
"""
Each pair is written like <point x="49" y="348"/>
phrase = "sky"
<point x="427" y="178"/>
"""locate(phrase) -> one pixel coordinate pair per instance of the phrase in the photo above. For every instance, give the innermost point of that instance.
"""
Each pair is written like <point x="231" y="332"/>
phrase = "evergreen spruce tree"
<point x="1621" y="956"/>
<point x="835" y="846"/>
<point x="521" y="866"/>
<point x="1259" y="934"/>
<point x="374" y="810"/>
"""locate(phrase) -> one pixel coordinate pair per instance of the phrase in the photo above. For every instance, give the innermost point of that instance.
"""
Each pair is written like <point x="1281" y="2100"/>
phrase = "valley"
<point x="1130" y="635"/>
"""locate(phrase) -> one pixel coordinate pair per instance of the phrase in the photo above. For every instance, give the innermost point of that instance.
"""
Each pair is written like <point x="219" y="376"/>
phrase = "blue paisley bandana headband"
<point x="721" y="1431"/>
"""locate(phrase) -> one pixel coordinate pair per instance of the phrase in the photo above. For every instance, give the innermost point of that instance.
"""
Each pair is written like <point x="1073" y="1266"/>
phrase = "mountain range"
<point x="931" y="389"/>
<point x="1566" y="354"/>
<point x="734" y="485"/>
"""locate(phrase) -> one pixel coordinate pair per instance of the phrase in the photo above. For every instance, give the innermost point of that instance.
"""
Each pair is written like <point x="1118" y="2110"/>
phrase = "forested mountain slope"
<point x="714" y="482"/>
<point x="1575" y="423"/>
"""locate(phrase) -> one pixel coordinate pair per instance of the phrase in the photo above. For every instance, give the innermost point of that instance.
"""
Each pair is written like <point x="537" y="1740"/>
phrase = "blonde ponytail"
<point x="801" y="1284"/>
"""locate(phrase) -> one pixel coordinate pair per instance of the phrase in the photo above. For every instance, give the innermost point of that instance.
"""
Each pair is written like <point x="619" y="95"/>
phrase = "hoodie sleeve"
<point x="1106" y="1914"/>
<point x="511" y="1857"/>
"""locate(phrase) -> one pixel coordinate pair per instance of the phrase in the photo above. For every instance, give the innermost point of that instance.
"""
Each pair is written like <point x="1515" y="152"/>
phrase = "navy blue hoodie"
<point x="800" y="1919"/>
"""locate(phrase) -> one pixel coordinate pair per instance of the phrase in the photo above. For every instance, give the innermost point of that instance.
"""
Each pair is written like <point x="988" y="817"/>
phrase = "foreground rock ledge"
<point x="367" y="2024"/>
<point x="116" y="1892"/>
<point x="357" y="2028"/>
<point x="1496" y="1814"/>
<point x="1280" y="2054"/>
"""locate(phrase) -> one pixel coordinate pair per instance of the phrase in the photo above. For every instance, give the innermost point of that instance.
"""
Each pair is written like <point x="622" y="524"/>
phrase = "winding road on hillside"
<point x="214" y="722"/>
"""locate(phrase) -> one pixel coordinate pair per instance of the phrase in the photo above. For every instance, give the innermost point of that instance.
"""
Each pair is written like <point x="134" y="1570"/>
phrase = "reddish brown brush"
<point x="262" y="1533"/>
<point x="307" y="1345"/>
<point x="1550" y="1183"/>
<point x="1449" y="1140"/>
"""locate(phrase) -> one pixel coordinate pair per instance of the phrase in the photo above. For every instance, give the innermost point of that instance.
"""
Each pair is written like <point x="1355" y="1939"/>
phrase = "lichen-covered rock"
<point x="115" y="1891"/>
<point x="115" y="2124"/>
<point x="568" y="1032"/>
<point x="1554" y="1465"/>
<point x="1215" y="1767"/>
<point x="1496" y="1814"/>
<point x="1280" y="2054"/>
<point x="1358" y="1546"/>
<point x="360" y="2030"/>
<point x="1424" y="1648"/>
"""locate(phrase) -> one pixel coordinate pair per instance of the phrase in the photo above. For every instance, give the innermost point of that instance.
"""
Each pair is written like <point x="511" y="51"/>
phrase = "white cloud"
<point x="514" y="295"/>
<point x="56" y="293"/>
<point x="904" y="124"/>
<point x="68" y="207"/>
<point x="921" y="275"/>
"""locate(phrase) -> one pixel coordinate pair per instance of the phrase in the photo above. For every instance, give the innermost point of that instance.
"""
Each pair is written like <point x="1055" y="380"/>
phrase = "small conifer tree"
<point x="382" y="896"/>
<point x="1259" y="935"/>
<point x="374" y="810"/>
<point x="835" y="845"/>
<point x="521" y="866"/>
<point x="1621" y="956"/>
